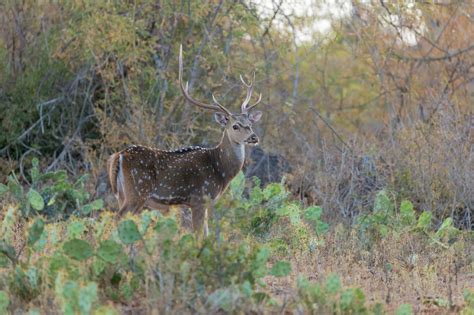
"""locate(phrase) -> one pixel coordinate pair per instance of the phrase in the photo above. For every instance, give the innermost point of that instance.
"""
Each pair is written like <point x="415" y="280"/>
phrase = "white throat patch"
<point x="239" y="151"/>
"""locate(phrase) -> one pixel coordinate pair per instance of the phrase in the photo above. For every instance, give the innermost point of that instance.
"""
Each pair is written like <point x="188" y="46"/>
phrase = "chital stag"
<point x="148" y="177"/>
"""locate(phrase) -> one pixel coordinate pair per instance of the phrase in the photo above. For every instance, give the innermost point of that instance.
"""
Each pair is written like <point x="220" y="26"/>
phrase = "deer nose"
<point x="253" y="139"/>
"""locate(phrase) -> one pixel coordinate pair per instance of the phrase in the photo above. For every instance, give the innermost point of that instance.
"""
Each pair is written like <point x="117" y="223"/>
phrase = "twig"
<point x="69" y="142"/>
<point x="440" y="58"/>
<point x="331" y="128"/>
<point x="267" y="29"/>
<point x="39" y="121"/>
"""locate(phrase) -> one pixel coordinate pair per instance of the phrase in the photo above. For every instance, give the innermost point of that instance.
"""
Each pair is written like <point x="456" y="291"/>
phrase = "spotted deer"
<point x="149" y="177"/>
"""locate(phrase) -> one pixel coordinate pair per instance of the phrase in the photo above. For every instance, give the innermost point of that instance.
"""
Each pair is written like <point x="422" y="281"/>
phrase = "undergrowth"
<point x="63" y="253"/>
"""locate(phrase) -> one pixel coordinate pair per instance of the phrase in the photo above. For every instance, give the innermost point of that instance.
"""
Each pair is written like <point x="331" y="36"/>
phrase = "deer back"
<point x="184" y="176"/>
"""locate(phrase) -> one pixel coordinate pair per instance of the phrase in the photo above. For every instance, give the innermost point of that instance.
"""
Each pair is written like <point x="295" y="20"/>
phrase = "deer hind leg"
<point x="199" y="217"/>
<point x="129" y="199"/>
<point x="131" y="205"/>
<point x="132" y="201"/>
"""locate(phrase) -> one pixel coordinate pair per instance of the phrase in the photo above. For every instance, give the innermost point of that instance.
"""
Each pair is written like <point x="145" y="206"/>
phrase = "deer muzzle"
<point x="252" y="140"/>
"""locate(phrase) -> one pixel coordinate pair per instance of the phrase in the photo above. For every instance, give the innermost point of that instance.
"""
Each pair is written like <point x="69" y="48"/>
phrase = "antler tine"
<point x="221" y="107"/>
<point x="215" y="100"/>
<point x="243" y="81"/>
<point x="247" y="99"/>
<point x="256" y="103"/>
<point x="249" y="93"/>
<point x="184" y="89"/>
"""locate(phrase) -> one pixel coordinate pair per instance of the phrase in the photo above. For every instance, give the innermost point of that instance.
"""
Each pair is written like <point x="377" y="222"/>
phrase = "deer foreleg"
<point x="199" y="217"/>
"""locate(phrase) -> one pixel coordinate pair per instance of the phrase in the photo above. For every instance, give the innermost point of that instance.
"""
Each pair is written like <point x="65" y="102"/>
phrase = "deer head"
<point x="238" y="127"/>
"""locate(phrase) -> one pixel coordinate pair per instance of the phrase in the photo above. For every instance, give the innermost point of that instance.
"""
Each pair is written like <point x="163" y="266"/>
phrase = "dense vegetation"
<point x="370" y="122"/>
<point x="268" y="254"/>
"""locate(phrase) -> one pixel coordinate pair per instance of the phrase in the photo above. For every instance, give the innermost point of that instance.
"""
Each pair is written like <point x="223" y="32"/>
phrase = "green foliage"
<point x="237" y="185"/>
<point x="35" y="231"/>
<point x="424" y="221"/>
<point x="469" y="302"/>
<point x="128" y="232"/>
<point x="353" y="301"/>
<point x="331" y="297"/>
<point x="109" y="251"/>
<point x="333" y="283"/>
<point x="383" y="221"/>
<point x="407" y="213"/>
<point x="24" y="282"/>
<point x="4" y="302"/>
<point x="75" y="298"/>
<point x="376" y="225"/>
<point x="3" y="189"/>
<point x="313" y="215"/>
<point x="224" y="273"/>
<point x="86" y="297"/>
<point x="35" y="200"/>
<point x="225" y="299"/>
<point x="281" y="269"/>
<point x="21" y="101"/>
<point x="446" y="232"/>
<point x="7" y="251"/>
<point x="383" y="203"/>
<point x="263" y="213"/>
<point x="75" y="229"/>
<point x="78" y="249"/>
<point x="52" y="193"/>
<point x="404" y="309"/>
<point x="95" y="205"/>
<point x="167" y="228"/>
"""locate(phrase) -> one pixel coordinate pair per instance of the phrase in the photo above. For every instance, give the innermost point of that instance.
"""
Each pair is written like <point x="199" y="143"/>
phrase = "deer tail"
<point x="113" y="166"/>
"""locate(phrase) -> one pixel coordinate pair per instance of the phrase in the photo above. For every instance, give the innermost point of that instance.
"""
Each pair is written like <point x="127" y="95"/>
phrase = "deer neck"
<point x="230" y="157"/>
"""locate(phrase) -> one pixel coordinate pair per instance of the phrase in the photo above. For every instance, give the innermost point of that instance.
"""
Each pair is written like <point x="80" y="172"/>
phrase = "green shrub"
<point x="384" y="220"/>
<point x="52" y="194"/>
<point x="331" y="297"/>
<point x="270" y="215"/>
<point x="87" y="261"/>
<point x="128" y="260"/>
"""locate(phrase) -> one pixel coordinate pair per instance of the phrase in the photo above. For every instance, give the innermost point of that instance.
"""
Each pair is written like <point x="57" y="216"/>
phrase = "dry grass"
<point x="397" y="270"/>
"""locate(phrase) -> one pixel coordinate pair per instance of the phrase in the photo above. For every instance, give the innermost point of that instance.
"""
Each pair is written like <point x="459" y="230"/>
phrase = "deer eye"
<point x="235" y="127"/>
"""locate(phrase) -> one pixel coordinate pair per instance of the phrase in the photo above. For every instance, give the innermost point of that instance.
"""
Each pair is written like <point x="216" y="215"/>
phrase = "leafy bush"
<point x="270" y="215"/>
<point x="384" y="220"/>
<point x="469" y="302"/>
<point x="84" y="265"/>
<point x="51" y="194"/>
<point x="331" y="298"/>
<point x="127" y="260"/>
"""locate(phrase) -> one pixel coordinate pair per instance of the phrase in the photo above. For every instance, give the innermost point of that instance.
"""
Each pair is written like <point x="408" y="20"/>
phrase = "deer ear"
<point x="221" y="119"/>
<point x="255" y="116"/>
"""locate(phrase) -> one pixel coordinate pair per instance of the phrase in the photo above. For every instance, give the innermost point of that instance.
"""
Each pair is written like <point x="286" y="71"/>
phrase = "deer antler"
<point x="184" y="89"/>
<point x="249" y="86"/>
